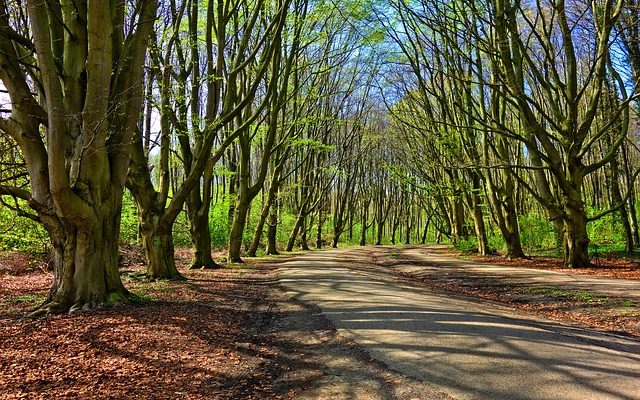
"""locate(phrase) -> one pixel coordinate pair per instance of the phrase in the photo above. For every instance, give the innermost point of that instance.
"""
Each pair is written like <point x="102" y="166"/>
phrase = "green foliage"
<point x="605" y="230"/>
<point x="537" y="233"/>
<point x="28" y="298"/>
<point x="219" y="222"/>
<point x="467" y="245"/>
<point x="22" y="234"/>
<point x="128" y="220"/>
<point x="496" y="242"/>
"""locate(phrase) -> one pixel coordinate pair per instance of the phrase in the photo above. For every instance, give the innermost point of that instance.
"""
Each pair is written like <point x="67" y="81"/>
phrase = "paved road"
<point x="438" y="262"/>
<point x="469" y="350"/>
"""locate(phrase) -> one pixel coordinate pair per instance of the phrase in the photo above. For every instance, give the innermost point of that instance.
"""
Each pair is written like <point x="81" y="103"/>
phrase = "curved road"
<point x="468" y="349"/>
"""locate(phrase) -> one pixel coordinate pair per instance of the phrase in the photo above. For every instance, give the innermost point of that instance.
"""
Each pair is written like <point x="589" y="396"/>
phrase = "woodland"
<point x="500" y="126"/>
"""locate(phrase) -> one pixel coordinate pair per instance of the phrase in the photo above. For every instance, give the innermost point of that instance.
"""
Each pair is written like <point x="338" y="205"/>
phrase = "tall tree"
<point x="74" y="76"/>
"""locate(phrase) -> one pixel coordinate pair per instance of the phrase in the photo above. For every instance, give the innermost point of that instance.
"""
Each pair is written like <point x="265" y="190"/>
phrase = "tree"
<point x="74" y="78"/>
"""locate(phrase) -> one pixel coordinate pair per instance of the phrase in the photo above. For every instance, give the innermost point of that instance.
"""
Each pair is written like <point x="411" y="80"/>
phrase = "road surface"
<point x="466" y="348"/>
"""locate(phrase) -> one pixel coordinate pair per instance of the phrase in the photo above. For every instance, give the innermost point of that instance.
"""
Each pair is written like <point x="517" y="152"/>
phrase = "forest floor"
<point x="222" y="334"/>
<point x="232" y="333"/>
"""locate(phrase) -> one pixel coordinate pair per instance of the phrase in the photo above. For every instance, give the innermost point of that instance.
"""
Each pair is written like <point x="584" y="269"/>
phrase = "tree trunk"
<point x="407" y="237"/>
<point x="237" y="229"/>
<point x="575" y="233"/>
<point x="616" y="198"/>
<point x="363" y="224"/>
<point x="379" y="233"/>
<point x="157" y="242"/>
<point x="511" y="234"/>
<point x="266" y="212"/>
<point x="304" y="244"/>
<point x="272" y="228"/>
<point x="457" y="219"/>
<point x="85" y="257"/>
<point x="394" y="230"/>
<point x="201" y="241"/>
<point x="478" y="217"/>
<point x="319" y="230"/>
<point x="294" y="232"/>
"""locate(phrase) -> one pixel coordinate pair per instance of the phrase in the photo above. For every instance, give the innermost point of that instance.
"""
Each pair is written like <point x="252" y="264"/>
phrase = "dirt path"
<point x="464" y="348"/>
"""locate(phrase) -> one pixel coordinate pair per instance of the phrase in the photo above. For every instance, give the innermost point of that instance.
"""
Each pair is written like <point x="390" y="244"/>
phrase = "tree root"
<point x="178" y="277"/>
<point x="213" y="265"/>
<point x="49" y="307"/>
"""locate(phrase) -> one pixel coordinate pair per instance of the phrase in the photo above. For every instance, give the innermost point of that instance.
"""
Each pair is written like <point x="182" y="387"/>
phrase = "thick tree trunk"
<point x="85" y="256"/>
<point x="237" y="229"/>
<point x="511" y="233"/>
<point x="575" y="233"/>
<point x="157" y="242"/>
<point x="201" y="242"/>
<point x="379" y="233"/>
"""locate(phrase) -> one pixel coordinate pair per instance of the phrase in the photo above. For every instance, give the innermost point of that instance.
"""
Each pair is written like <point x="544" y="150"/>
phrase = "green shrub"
<point x="467" y="245"/>
<point x="219" y="222"/>
<point x="23" y="234"/>
<point x="536" y="233"/>
<point x="605" y="230"/>
<point x="128" y="220"/>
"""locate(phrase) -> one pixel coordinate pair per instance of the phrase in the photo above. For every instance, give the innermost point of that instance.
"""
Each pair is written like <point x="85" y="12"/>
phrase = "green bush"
<point x="467" y="245"/>
<point x="607" y="229"/>
<point x="23" y="234"/>
<point x="219" y="222"/>
<point x="128" y="220"/>
<point x="536" y="233"/>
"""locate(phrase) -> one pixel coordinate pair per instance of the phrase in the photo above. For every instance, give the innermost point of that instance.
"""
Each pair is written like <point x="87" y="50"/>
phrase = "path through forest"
<point x="464" y="347"/>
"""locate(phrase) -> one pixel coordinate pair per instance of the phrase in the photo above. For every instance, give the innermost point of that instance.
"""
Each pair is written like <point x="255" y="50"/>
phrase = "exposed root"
<point x="178" y="277"/>
<point x="49" y="307"/>
<point x="212" y="265"/>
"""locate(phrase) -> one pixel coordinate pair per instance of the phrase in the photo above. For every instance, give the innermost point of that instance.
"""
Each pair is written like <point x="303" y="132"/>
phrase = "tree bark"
<point x="157" y="241"/>
<point x="272" y="228"/>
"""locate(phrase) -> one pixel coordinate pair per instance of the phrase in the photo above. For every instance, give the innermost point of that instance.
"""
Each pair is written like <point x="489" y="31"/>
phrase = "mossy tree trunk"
<point x="77" y="166"/>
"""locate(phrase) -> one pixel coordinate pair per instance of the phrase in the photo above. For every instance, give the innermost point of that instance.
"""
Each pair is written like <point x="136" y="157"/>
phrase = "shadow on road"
<point x="470" y="349"/>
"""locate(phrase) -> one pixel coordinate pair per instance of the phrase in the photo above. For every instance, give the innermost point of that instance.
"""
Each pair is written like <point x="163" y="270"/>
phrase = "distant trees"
<point x="368" y="122"/>
<point x="518" y="94"/>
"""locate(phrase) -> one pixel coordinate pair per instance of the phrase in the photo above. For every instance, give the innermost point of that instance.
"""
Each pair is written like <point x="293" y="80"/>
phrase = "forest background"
<point x="497" y="126"/>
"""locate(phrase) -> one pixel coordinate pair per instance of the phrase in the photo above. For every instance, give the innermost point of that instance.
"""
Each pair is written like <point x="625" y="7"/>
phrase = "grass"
<point x="574" y="295"/>
<point x="28" y="298"/>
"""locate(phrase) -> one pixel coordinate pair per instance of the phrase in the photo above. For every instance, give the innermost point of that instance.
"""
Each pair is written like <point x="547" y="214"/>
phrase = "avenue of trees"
<point x="270" y="125"/>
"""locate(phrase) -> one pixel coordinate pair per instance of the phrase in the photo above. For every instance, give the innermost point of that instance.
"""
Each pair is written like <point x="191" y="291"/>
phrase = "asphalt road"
<point x="468" y="349"/>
